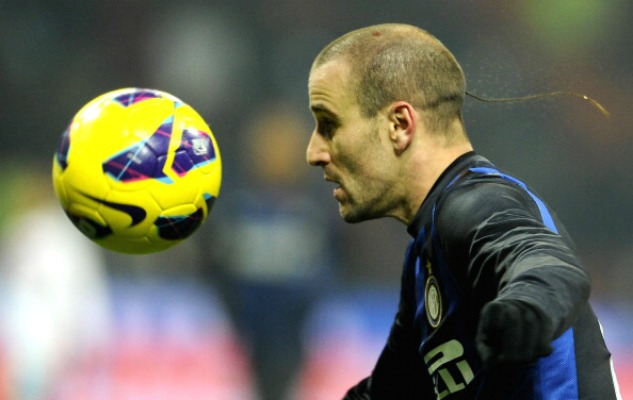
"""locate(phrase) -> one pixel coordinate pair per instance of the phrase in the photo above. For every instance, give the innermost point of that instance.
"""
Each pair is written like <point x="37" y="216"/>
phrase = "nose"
<point x="317" y="153"/>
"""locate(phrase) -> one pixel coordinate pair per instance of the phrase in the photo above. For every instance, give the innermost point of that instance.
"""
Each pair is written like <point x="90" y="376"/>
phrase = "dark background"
<point x="244" y="64"/>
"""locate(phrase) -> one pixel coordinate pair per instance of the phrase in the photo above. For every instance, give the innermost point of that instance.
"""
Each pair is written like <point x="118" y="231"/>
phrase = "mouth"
<point x="338" y="190"/>
<point x="337" y="193"/>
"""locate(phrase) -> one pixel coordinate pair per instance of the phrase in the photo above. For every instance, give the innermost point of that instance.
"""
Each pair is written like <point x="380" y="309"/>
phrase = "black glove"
<point x="360" y="391"/>
<point x="512" y="332"/>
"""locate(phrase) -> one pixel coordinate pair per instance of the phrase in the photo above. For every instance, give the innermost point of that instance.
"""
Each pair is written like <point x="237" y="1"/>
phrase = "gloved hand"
<point x="360" y="391"/>
<point x="512" y="332"/>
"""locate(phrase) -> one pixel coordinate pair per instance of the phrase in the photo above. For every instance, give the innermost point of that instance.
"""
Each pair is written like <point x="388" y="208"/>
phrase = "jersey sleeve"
<point x="502" y="242"/>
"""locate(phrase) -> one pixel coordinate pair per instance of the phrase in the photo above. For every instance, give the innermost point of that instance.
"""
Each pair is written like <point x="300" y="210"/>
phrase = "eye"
<point x="326" y="127"/>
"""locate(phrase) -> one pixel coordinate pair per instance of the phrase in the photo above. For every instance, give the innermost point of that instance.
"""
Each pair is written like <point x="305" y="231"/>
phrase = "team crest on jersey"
<point x="432" y="299"/>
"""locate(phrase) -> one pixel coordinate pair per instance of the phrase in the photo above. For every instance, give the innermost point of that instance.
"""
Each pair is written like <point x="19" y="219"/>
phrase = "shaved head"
<point x="392" y="62"/>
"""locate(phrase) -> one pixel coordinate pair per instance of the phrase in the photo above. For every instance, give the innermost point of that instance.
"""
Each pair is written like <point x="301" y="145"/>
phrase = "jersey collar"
<point x="458" y="166"/>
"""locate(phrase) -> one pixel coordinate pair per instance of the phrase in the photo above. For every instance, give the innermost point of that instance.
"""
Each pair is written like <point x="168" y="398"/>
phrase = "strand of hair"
<point x="591" y="100"/>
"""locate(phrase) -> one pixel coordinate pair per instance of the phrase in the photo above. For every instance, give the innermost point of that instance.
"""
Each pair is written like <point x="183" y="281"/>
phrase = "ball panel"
<point x="58" y="185"/>
<point x="196" y="150"/>
<point x="90" y="228"/>
<point x="61" y="155"/>
<point x="133" y="164"/>
<point x="179" y="227"/>
<point x="135" y="96"/>
<point x="88" y="220"/>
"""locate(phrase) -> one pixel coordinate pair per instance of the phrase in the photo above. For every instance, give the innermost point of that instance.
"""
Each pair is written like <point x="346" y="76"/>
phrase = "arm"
<point x="526" y="272"/>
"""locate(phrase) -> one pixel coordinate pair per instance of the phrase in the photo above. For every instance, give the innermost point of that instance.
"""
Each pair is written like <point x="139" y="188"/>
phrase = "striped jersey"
<point x="480" y="235"/>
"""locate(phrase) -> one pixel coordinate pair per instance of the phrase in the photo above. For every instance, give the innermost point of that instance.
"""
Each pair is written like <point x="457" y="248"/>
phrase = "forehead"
<point x="327" y="86"/>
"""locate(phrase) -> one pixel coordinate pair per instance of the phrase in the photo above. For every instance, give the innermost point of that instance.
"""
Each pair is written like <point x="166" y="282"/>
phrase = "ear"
<point x="403" y="120"/>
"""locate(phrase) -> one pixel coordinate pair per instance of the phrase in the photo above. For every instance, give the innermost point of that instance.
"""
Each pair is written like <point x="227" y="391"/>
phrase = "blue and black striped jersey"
<point x="481" y="235"/>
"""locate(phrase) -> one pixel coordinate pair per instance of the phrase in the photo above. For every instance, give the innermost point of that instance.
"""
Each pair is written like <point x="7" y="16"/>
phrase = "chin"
<point x="347" y="215"/>
<point x="352" y="219"/>
<point x="355" y="216"/>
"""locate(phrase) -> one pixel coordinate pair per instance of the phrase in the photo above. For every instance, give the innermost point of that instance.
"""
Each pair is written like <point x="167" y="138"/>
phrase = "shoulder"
<point x="481" y="199"/>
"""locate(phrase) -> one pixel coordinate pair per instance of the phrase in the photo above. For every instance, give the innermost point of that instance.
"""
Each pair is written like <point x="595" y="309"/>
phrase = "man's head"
<point x="387" y="103"/>
<point x="391" y="62"/>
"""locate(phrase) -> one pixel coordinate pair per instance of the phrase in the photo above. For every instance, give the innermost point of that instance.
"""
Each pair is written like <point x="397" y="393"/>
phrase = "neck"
<point x="425" y="169"/>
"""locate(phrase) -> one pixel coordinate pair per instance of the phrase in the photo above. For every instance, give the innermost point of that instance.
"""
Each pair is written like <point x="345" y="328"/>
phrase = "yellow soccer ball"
<point x="137" y="170"/>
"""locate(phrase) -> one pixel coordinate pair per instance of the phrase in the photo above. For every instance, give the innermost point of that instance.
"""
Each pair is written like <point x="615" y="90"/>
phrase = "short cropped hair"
<point x="392" y="62"/>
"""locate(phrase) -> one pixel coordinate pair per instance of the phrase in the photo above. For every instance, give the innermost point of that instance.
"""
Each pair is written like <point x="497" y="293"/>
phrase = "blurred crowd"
<point x="275" y="298"/>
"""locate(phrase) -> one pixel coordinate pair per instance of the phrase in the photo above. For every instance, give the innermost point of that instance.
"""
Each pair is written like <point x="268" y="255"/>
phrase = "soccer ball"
<point x="137" y="170"/>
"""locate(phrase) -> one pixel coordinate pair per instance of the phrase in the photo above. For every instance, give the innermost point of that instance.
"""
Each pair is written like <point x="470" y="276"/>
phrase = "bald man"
<point x="494" y="300"/>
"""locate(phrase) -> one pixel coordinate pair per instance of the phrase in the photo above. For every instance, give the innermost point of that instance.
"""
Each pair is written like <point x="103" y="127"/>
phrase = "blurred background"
<point x="275" y="298"/>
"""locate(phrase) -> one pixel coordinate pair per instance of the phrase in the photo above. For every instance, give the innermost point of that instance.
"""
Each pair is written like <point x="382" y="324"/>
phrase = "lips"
<point x="337" y="193"/>
<point x="338" y="190"/>
<point x="330" y="179"/>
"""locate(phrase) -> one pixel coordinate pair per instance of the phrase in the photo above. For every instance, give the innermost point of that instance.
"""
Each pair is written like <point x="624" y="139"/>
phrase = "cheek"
<point x="361" y="179"/>
<point x="351" y="165"/>
<point x="359" y="157"/>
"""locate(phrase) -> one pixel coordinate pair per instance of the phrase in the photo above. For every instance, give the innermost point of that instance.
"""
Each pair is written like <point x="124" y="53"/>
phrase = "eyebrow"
<point x="323" y="110"/>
